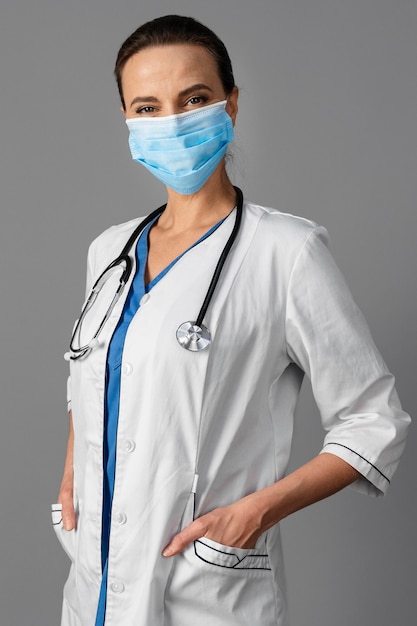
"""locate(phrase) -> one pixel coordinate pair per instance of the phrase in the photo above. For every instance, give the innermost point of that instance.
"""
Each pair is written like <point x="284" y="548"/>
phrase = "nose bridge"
<point x="172" y="109"/>
<point x="172" y="104"/>
<point x="172" y="97"/>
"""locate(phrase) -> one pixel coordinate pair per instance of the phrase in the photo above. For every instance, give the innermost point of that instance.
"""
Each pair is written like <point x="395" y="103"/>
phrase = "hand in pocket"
<point x="234" y="525"/>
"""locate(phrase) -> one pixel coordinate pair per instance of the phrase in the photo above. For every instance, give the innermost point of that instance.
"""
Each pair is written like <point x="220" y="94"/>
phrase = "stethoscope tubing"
<point x="124" y="258"/>
<point x="222" y="258"/>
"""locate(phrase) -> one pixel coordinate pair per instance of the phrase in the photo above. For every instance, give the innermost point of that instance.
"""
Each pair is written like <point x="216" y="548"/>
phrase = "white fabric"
<point x="224" y="414"/>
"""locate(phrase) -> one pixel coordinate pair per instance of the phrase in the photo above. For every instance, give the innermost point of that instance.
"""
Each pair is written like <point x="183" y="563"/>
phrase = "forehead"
<point x="180" y="63"/>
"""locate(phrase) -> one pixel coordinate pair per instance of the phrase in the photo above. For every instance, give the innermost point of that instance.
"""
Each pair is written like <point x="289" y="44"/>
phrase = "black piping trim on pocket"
<point x="262" y="556"/>
<point x="58" y="510"/>
<point x="333" y="443"/>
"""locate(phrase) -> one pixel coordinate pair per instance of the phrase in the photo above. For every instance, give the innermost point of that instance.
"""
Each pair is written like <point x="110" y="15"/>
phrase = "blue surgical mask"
<point x="182" y="150"/>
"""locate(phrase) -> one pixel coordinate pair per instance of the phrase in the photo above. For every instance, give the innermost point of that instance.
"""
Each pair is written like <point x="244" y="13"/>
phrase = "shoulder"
<point x="116" y="233"/>
<point x="109" y="244"/>
<point x="284" y="231"/>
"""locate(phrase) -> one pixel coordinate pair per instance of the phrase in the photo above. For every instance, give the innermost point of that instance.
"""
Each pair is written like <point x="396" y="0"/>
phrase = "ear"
<point x="123" y="110"/>
<point x="232" y="106"/>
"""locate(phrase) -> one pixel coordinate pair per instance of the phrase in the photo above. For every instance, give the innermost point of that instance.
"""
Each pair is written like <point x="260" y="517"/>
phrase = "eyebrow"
<point x="182" y="94"/>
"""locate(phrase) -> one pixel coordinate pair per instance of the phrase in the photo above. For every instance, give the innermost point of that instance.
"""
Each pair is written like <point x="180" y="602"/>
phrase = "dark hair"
<point x="175" y="29"/>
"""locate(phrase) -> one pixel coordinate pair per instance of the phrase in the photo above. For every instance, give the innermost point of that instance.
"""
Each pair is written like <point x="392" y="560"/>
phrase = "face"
<point x="166" y="80"/>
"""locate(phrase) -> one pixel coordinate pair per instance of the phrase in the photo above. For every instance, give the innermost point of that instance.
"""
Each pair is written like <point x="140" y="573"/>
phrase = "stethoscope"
<point x="192" y="335"/>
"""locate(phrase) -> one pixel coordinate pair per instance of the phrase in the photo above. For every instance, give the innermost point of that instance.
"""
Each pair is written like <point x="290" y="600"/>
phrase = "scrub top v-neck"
<point x="136" y="294"/>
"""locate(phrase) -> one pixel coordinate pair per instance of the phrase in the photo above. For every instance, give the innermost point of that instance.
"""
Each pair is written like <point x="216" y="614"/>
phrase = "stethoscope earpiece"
<point x="93" y="343"/>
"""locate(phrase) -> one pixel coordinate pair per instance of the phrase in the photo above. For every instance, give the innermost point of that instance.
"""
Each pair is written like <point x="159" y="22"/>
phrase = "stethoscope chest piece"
<point x="193" y="337"/>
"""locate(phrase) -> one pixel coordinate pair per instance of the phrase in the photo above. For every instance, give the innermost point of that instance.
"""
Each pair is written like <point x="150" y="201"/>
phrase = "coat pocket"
<point x="66" y="537"/>
<point x="233" y="558"/>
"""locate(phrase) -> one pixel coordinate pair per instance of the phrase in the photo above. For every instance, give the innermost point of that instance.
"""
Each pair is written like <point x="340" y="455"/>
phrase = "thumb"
<point x="68" y="515"/>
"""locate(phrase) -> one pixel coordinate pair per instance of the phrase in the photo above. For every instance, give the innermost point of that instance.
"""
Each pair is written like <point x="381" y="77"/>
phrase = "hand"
<point x="66" y="491"/>
<point x="240" y="524"/>
<point x="65" y="497"/>
<point x="237" y="525"/>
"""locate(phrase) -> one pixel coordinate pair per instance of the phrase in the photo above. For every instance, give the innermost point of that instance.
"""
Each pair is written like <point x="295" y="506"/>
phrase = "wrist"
<point x="262" y="509"/>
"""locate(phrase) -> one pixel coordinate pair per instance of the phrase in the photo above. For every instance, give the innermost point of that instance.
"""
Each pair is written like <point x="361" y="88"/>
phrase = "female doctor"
<point x="181" y="414"/>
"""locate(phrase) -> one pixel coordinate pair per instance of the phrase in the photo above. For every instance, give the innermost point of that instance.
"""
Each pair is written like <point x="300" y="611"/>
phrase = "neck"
<point x="210" y="204"/>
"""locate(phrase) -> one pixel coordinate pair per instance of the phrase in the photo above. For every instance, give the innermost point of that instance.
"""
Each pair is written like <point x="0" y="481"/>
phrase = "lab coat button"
<point x="120" y="518"/>
<point x="127" y="369"/>
<point x="128" y="445"/>
<point x="117" y="586"/>
<point x="144" y="298"/>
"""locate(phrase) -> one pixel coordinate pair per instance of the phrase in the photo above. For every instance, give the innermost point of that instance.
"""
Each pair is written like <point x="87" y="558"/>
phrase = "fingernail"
<point x="168" y="551"/>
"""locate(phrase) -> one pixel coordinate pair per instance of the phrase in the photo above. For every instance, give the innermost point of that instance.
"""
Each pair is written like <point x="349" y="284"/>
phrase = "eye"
<point x="196" y="100"/>
<point x="145" y="110"/>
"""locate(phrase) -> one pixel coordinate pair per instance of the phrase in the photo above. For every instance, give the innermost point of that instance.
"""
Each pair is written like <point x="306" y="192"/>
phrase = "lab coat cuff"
<point x="373" y="481"/>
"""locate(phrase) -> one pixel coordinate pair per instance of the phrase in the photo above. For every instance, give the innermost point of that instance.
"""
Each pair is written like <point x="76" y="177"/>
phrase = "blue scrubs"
<point x="112" y="396"/>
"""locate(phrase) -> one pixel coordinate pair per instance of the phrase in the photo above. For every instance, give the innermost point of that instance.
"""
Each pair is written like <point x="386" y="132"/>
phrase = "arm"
<point x="66" y="491"/>
<point x="240" y="524"/>
<point x="329" y="340"/>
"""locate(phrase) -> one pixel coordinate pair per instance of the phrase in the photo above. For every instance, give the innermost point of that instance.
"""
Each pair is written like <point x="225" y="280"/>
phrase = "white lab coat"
<point x="201" y="430"/>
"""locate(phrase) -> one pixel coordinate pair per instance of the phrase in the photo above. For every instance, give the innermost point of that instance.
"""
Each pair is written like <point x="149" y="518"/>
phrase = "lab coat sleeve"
<point x="329" y="339"/>
<point x="89" y="284"/>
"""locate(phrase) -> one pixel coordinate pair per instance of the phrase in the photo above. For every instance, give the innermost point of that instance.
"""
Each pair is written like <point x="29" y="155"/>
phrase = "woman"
<point x="175" y="475"/>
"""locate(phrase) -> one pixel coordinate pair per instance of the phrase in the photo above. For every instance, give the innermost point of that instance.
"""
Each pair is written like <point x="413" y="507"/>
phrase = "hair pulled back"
<point x="175" y="29"/>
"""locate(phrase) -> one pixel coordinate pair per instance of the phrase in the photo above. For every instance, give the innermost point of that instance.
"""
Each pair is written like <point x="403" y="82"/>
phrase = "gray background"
<point x="327" y="130"/>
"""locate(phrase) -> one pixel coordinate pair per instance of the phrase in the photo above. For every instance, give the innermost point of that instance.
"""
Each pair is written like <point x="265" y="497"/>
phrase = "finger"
<point x="183" y="539"/>
<point x="68" y="515"/>
<point x="68" y="520"/>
